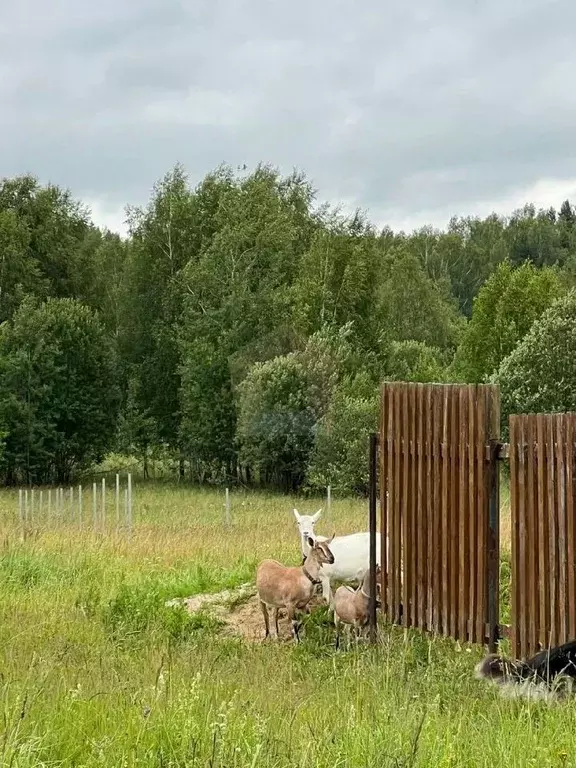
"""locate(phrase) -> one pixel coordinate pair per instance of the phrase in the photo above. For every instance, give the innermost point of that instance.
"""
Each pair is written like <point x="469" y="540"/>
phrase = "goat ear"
<point x="296" y="514"/>
<point x="311" y="542"/>
<point x="316" y="516"/>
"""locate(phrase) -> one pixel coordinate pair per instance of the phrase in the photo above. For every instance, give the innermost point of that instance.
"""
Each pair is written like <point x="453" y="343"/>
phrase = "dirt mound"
<point x="239" y="610"/>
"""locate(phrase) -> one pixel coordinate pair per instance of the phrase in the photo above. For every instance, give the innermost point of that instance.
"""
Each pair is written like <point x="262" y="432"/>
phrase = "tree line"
<point x="242" y="329"/>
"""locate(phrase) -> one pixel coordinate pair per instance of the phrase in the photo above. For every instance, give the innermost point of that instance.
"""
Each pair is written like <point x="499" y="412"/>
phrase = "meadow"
<point x="95" y="670"/>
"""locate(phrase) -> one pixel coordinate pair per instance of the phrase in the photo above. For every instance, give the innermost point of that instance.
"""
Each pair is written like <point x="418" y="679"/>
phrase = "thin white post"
<point x="80" y="505"/>
<point x="71" y="503"/>
<point x="61" y="501"/>
<point x="117" y="500"/>
<point x="31" y="503"/>
<point x="26" y="504"/>
<point x="41" y="505"/>
<point x="130" y="502"/>
<point x="49" y="502"/>
<point x="126" y="506"/>
<point x="94" y="511"/>
<point x="329" y="503"/>
<point x="227" y="505"/>
<point x="20" y="506"/>
<point x="103" y="504"/>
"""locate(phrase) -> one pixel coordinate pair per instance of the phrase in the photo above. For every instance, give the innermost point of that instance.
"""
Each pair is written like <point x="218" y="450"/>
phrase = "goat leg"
<point x="276" y="612"/>
<point x="264" y="608"/>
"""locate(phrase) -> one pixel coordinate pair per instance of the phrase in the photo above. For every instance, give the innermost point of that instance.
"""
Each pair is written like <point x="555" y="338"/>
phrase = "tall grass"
<point x="96" y="671"/>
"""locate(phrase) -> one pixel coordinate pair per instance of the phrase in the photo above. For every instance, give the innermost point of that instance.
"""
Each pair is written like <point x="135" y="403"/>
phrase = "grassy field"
<point x="96" y="671"/>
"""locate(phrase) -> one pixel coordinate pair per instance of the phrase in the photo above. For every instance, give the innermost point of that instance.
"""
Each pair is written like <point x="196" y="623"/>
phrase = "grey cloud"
<point x="403" y="107"/>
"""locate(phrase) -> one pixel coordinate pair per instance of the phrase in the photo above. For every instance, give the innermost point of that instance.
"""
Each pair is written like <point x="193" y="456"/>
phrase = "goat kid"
<point x="351" y="554"/>
<point x="550" y="674"/>
<point x="352" y="606"/>
<point x="292" y="588"/>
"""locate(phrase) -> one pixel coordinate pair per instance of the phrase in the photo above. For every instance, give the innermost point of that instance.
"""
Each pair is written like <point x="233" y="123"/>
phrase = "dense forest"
<point x="241" y="330"/>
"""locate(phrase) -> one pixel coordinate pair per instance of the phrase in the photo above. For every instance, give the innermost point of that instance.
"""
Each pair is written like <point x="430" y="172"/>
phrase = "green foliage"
<point x="232" y="301"/>
<point x="414" y="307"/>
<point x="276" y="420"/>
<point x="415" y="361"/>
<point x="58" y="392"/>
<point x="539" y="375"/>
<point x="504" y="310"/>
<point x="340" y="455"/>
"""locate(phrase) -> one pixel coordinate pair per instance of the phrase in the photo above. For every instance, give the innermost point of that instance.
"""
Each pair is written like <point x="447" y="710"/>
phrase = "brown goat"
<point x="292" y="588"/>
<point x="351" y="606"/>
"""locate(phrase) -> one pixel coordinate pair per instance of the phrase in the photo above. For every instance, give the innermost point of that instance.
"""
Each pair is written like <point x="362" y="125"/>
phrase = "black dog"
<point x="550" y="672"/>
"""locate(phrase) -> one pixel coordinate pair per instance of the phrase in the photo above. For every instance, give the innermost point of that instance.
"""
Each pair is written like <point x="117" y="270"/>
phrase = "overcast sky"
<point x="412" y="110"/>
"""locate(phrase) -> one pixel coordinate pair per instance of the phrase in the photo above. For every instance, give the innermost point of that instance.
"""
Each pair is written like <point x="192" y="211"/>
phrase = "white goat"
<point x="280" y="586"/>
<point x="351" y="554"/>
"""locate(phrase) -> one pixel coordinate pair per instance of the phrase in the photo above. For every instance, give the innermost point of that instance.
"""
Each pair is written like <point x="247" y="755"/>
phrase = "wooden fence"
<point x="542" y="490"/>
<point x="439" y="513"/>
<point x="438" y="476"/>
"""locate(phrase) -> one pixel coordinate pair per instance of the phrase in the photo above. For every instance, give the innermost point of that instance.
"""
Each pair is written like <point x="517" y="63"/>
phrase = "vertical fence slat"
<point x="493" y="554"/>
<point x="429" y="466"/>
<point x="551" y="521"/>
<point x="453" y="516"/>
<point x="532" y="532"/>
<point x="543" y="552"/>
<point x="412" y="498"/>
<point x="404" y="513"/>
<point x="463" y="512"/>
<point x="471" y="549"/>
<point x="437" y="510"/>
<point x="420" y="511"/>
<point x="523" y="522"/>
<point x="561" y="610"/>
<point x="396" y="515"/>
<point x="515" y="527"/>
<point x="384" y="564"/>
<point x="445" y="496"/>
<point x="480" y="614"/>
<point x="570" y="527"/>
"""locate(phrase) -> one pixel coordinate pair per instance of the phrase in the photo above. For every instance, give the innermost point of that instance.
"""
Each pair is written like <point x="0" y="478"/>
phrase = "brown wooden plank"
<point x="570" y="527"/>
<point x="445" y="511"/>
<point x="406" y="542"/>
<point x="552" y="527"/>
<point x="436" y="592"/>
<point x="454" y="581"/>
<point x="472" y="551"/>
<point x="515" y="525"/>
<point x="463" y="514"/>
<point x="523" y="541"/>
<point x="561" y="604"/>
<point x="414" y="506"/>
<point x="531" y="506"/>
<point x="384" y="488"/>
<point x="429" y="510"/>
<point x="420" y="510"/>
<point x="399" y="502"/>
<point x="393" y="500"/>
<point x="479" y="543"/>
<point x="543" y="527"/>
<point x="493" y="542"/>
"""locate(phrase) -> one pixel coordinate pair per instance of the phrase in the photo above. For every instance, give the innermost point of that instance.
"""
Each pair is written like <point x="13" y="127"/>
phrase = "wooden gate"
<point x="439" y="508"/>
<point x="542" y="491"/>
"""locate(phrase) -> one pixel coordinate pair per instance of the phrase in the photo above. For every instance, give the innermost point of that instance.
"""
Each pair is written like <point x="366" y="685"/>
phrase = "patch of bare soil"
<point x="240" y="611"/>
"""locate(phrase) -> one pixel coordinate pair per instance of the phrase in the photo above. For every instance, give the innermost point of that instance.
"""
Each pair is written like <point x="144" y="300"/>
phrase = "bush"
<point x="539" y="376"/>
<point x="340" y="455"/>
